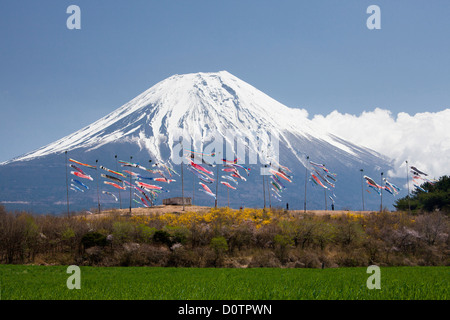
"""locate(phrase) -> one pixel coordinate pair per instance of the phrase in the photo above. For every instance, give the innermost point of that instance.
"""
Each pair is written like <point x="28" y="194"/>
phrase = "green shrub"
<point x="68" y="234"/>
<point x="92" y="239"/>
<point x="145" y="233"/>
<point x="178" y="234"/>
<point x="123" y="231"/>
<point x="163" y="237"/>
<point x="219" y="245"/>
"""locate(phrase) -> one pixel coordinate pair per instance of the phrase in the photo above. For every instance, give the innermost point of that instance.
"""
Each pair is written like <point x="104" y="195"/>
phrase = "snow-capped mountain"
<point x="198" y="107"/>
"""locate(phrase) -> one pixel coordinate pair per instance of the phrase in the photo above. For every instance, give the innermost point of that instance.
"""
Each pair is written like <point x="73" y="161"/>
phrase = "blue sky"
<point x="317" y="55"/>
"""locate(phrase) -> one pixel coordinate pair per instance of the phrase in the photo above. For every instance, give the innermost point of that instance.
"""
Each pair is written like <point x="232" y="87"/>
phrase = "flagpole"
<point x="362" y="189"/>
<point x="306" y="178"/>
<point x="407" y="183"/>
<point x="381" y="191"/>
<point x="217" y="184"/>
<point x="131" y="158"/>
<point x="67" y="188"/>
<point x="268" y="193"/>
<point x="98" y="195"/>
<point x="325" y="195"/>
<point x="117" y="168"/>
<point x="264" y="189"/>
<point x="150" y="163"/>
<point x="182" y="181"/>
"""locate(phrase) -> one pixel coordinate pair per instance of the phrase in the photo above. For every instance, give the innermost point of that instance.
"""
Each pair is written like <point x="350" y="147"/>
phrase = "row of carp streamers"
<point x="230" y="169"/>
<point x="231" y="174"/>
<point x="320" y="171"/>
<point x="145" y="194"/>
<point x="388" y="186"/>
<point x="277" y="172"/>
<point x="419" y="177"/>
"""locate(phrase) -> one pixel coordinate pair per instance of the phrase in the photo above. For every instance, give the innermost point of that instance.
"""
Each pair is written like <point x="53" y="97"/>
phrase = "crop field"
<point x="23" y="282"/>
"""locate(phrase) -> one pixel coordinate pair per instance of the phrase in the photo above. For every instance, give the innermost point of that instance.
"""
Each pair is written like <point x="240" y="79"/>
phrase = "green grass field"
<point x="41" y="282"/>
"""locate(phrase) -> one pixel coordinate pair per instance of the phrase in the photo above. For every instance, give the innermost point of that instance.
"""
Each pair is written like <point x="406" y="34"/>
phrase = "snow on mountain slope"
<point x="197" y="105"/>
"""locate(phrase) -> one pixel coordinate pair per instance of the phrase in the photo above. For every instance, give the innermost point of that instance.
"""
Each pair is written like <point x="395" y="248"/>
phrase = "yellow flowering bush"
<point x="215" y="216"/>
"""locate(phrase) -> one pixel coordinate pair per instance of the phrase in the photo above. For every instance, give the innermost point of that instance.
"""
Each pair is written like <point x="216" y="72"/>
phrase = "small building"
<point x="177" y="201"/>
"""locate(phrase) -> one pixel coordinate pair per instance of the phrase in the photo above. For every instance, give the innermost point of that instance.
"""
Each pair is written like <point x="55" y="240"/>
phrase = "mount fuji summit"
<point x="201" y="110"/>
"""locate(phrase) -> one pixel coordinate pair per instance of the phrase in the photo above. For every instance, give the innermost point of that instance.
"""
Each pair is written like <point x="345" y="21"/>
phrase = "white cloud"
<point x="15" y="202"/>
<point x="423" y="139"/>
